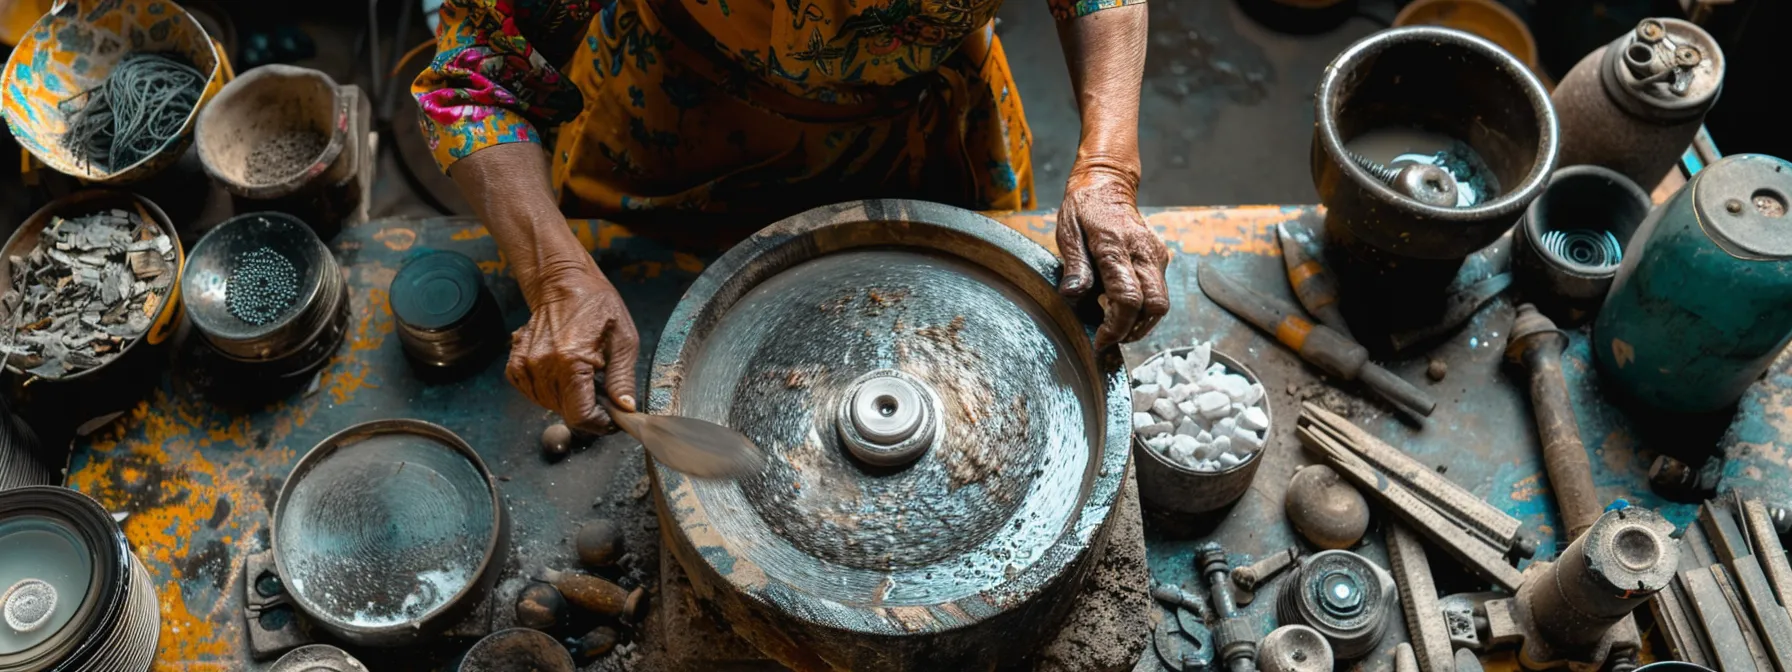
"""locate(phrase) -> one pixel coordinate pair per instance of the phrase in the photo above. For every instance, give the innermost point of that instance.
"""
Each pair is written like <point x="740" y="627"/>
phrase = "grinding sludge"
<point x="1197" y="412"/>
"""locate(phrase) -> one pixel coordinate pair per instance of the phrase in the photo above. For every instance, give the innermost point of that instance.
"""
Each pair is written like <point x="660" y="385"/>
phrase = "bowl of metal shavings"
<point x="84" y="281"/>
<point x="108" y="90"/>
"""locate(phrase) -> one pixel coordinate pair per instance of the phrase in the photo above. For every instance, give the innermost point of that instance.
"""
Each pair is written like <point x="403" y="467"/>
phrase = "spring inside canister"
<point x="1594" y="249"/>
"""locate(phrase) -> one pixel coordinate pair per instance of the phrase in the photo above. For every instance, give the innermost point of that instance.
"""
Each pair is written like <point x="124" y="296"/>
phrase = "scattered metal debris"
<point x="91" y="286"/>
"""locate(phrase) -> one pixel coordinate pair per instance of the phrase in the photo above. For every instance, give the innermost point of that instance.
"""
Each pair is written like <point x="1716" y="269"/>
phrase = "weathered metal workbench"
<point x="198" y="482"/>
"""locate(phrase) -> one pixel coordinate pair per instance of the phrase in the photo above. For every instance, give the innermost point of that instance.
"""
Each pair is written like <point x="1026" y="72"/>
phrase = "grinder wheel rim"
<point x="684" y="504"/>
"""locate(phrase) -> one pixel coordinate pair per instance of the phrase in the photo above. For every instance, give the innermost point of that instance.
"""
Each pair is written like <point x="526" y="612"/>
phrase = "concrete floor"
<point x="1227" y="112"/>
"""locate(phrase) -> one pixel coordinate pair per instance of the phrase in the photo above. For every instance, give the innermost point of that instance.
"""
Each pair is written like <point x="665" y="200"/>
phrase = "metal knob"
<point x="888" y="418"/>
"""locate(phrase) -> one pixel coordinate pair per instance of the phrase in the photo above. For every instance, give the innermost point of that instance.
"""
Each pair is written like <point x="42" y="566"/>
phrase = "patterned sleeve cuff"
<point x="455" y="132"/>
<point x="1064" y="10"/>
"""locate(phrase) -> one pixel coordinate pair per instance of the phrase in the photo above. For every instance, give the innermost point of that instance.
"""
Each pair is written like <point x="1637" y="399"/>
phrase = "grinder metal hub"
<point x="889" y="418"/>
<point x="856" y="338"/>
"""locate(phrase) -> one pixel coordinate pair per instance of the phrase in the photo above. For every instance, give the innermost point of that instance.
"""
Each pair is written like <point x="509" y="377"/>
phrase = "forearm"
<point x="1105" y="51"/>
<point x="509" y="188"/>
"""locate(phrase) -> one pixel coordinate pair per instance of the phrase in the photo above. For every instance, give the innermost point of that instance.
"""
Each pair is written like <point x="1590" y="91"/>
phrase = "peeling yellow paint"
<point x="470" y="233"/>
<point x="687" y="263"/>
<point x="1527" y="488"/>
<point x="397" y="238"/>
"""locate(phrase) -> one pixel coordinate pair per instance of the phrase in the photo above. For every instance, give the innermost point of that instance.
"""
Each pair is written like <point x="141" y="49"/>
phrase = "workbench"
<point x="198" y="482"/>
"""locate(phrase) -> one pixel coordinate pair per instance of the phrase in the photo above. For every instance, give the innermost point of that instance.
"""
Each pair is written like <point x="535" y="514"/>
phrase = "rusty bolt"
<point x="1650" y="31"/>
<point x="1687" y="56"/>
<point x="1733" y="206"/>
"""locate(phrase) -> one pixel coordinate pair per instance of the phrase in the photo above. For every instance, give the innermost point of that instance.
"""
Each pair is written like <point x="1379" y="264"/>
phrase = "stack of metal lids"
<point x="445" y="314"/>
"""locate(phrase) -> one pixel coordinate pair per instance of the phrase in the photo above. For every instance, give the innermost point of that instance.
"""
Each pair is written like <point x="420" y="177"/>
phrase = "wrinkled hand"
<point x="1100" y="225"/>
<point x="578" y="331"/>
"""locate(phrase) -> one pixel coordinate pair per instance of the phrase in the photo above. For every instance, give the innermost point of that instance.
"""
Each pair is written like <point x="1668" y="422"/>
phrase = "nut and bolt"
<point x="1234" y="637"/>
<point x="1651" y="31"/>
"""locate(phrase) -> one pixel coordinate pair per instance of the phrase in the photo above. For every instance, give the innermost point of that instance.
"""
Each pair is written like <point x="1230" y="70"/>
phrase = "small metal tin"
<point x="517" y="649"/>
<point x="1571" y="240"/>
<point x="317" y="658"/>
<point x="297" y="339"/>
<point x="103" y="611"/>
<point x="445" y="314"/>
<point x="1174" y="489"/>
<point x="332" y="546"/>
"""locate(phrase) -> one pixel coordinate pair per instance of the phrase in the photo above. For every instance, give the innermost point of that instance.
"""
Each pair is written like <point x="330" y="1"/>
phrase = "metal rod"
<point x="1538" y="344"/>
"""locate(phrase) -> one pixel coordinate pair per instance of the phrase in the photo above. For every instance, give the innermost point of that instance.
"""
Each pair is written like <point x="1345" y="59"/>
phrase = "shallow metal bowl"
<point x="389" y="532"/>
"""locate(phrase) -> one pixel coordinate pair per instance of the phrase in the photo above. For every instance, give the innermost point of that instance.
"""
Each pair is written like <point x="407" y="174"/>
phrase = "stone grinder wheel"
<point x="944" y="444"/>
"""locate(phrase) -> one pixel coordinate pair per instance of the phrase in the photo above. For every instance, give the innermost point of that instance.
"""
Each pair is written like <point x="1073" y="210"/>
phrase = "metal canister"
<point x="72" y="594"/>
<point x="445" y="315"/>
<point x="1703" y="300"/>
<point x="1635" y="104"/>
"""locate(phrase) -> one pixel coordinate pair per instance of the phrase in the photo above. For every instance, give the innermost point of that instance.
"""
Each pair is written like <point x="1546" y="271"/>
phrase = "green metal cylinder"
<point x="1703" y="300"/>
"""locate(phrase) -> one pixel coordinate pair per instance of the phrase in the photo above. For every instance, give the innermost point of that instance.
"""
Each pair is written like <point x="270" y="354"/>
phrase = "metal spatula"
<point x="694" y="447"/>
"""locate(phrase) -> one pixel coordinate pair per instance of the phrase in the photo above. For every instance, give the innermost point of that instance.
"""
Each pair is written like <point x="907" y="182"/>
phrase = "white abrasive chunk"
<point x="1228" y="460"/>
<point x="1213" y="405"/>
<point x="1186" y="371"/>
<point x="1159" y="442"/>
<point x="1189" y="427"/>
<point x="1166" y="409"/>
<point x="1183" y="391"/>
<point x="1143" y="395"/>
<point x="1164" y="379"/>
<point x="1222" y="444"/>
<point x="1225" y="427"/>
<point x="1216" y="370"/>
<point x="1253" y="395"/>
<point x="1253" y="419"/>
<point x="1155" y="428"/>
<point x="1204" y="437"/>
<point x="1147" y="372"/>
<point x="1234" y="385"/>
<point x="1188" y="407"/>
<point x="1206" y="451"/>
<point x="1199" y="356"/>
<point x="1142" y="420"/>
<point x="1181" y="454"/>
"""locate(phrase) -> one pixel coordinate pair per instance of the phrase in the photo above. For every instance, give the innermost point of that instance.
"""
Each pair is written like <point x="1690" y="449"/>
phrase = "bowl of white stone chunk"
<point x="1200" y="423"/>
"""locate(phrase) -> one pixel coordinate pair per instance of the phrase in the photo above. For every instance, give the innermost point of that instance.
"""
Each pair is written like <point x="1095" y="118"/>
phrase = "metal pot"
<point x="1172" y="488"/>
<point x="398" y="515"/>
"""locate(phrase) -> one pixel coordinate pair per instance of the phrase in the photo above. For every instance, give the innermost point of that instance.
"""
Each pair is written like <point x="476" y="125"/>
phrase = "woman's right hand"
<point x="579" y="335"/>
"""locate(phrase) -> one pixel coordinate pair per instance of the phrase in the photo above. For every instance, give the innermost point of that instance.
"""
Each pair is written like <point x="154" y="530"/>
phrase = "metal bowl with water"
<point x="389" y="532"/>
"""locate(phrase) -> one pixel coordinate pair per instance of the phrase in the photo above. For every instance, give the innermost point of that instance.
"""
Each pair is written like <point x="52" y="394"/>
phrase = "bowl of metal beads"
<point x="108" y="90"/>
<point x="262" y="289"/>
<point x="86" y="281"/>
<point x="1200" y="422"/>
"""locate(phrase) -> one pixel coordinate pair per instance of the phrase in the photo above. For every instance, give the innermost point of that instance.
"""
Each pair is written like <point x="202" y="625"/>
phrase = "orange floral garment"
<point x="739" y="107"/>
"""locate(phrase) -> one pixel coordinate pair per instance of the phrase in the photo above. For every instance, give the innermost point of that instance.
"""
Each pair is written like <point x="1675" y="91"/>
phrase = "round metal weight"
<point x="72" y="595"/>
<point x="1171" y="488"/>
<point x="1342" y="596"/>
<point x="1294" y="648"/>
<point x="969" y="555"/>
<point x="389" y="532"/>
<point x="445" y="315"/>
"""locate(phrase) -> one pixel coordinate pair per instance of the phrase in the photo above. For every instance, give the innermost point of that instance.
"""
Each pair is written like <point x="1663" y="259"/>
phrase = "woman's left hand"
<point x="1100" y="226"/>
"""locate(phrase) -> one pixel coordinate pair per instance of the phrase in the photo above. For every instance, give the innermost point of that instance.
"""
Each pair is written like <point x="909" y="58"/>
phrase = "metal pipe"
<point x="1235" y="637"/>
<point x="1537" y="344"/>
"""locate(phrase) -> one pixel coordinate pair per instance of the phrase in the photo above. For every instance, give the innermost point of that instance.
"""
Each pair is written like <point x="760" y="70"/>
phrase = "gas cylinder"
<point x="1634" y="105"/>
<point x="1703" y="300"/>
